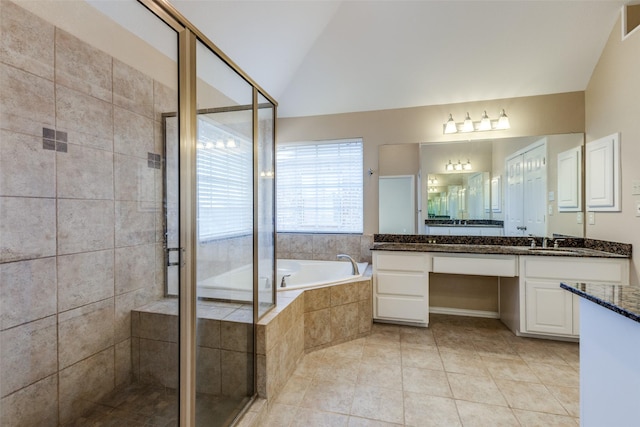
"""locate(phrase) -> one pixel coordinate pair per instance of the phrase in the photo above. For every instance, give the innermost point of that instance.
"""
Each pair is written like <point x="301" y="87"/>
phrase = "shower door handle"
<point x="171" y="263"/>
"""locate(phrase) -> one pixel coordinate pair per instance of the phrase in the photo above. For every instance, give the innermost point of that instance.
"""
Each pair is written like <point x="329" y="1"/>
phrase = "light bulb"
<point x="503" y="121"/>
<point x="485" y="123"/>
<point x="450" y="126"/>
<point x="467" y="126"/>
<point x="231" y="143"/>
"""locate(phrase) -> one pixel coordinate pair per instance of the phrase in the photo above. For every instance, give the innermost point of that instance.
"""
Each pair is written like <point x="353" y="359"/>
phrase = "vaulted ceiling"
<point x="324" y="56"/>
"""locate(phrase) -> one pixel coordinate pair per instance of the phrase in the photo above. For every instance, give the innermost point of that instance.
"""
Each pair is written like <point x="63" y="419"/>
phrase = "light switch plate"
<point x="638" y="208"/>
<point x="635" y="187"/>
<point x="550" y="208"/>
<point x="579" y="218"/>
<point x="592" y="218"/>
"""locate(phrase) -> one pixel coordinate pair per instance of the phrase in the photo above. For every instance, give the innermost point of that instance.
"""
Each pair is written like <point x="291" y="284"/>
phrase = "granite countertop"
<point x="494" y="249"/>
<point x="622" y="299"/>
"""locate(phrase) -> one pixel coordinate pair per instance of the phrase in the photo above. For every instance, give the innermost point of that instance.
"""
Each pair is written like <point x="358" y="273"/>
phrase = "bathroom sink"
<point x="552" y="251"/>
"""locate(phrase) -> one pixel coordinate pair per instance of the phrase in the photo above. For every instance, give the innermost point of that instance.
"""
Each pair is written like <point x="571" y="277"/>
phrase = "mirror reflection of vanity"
<point x="509" y="186"/>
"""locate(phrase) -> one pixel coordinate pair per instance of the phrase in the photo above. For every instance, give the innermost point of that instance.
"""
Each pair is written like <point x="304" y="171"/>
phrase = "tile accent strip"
<point x="154" y="160"/>
<point x="54" y="140"/>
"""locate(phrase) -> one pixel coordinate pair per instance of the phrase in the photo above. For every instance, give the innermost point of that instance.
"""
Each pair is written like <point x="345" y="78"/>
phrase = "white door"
<point x="535" y="189"/>
<point x="525" y="199"/>
<point x="514" y="198"/>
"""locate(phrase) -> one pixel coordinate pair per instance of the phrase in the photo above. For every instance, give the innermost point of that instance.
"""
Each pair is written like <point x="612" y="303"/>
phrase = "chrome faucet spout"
<point x="283" y="284"/>
<point x="354" y="264"/>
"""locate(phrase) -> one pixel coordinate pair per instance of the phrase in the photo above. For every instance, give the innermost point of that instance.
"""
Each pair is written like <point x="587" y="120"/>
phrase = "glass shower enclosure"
<point x="139" y="254"/>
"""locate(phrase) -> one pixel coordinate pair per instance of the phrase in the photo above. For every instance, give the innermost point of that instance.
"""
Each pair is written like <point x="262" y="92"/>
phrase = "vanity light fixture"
<point x="456" y="167"/>
<point x="484" y="124"/>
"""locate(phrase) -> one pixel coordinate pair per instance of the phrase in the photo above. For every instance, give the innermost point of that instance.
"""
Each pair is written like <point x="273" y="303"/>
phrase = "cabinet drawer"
<point x="568" y="269"/>
<point x="401" y="308"/>
<point x="485" y="265"/>
<point x="401" y="284"/>
<point x="401" y="261"/>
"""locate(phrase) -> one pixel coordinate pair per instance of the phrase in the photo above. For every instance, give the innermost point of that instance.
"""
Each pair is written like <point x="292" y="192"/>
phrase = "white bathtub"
<point x="236" y="284"/>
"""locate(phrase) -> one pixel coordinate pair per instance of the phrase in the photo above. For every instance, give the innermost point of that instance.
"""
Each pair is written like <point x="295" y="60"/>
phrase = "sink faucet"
<point x="556" y="243"/>
<point x="545" y="242"/>
<point x="354" y="264"/>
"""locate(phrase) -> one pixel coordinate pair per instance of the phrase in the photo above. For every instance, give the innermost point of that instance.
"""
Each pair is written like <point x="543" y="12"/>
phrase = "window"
<point x="225" y="182"/>
<point x="319" y="187"/>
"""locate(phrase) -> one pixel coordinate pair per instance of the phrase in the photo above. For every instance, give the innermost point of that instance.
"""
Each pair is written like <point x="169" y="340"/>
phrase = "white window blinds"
<point x="319" y="187"/>
<point x="225" y="183"/>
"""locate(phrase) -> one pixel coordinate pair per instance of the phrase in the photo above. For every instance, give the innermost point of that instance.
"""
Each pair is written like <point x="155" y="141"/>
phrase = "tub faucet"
<point x="354" y="264"/>
<point x="283" y="284"/>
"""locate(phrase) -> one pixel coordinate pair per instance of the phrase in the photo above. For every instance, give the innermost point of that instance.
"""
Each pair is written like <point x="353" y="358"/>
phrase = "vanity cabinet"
<point x="545" y="307"/>
<point x="401" y="287"/>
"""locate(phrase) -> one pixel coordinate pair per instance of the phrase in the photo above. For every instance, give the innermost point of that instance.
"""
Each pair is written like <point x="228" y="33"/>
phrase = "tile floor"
<point x="459" y="372"/>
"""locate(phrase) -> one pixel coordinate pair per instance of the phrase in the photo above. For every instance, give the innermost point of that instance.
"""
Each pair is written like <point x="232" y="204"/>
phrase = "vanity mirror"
<point x="515" y="188"/>
<point x="505" y="186"/>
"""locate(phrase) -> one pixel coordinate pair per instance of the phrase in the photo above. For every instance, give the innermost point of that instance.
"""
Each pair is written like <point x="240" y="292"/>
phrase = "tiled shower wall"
<point x="80" y="217"/>
<point x="324" y="246"/>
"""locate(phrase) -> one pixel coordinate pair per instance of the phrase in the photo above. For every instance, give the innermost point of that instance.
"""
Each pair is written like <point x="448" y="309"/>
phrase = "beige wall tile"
<point x="82" y="67"/>
<point x="33" y="406"/>
<point x="124" y="314"/>
<point x="344" y="294"/>
<point x="165" y="100"/>
<point x="344" y="321"/>
<point x="134" y="179"/>
<point x="27" y="103"/>
<point x="28" y="228"/>
<point x="123" y="363"/>
<point x="159" y="327"/>
<point x="84" y="331"/>
<point x="84" y="225"/>
<point x="317" y="328"/>
<point x="26" y="169"/>
<point x="133" y="133"/>
<point x="159" y="362"/>
<point x="83" y="114"/>
<point x="208" y="333"/>
<point x="208" y="371"/>
<point x="132" y="89"/>
<point x="28" y="354"/>
<point x="316" y="299"/>
<point x="236" y="336"/>
<point x="365" y="316"/>
<point x="237" y="373"/>
<point x="134" y="268"/>
<point x="27" y="41"/>
<point x="85" y="383"/>
<point x="84" y="278"/>
<point x="84" y="173"/>
<point x="134" y="223"/>
<point x="27" y="291"/>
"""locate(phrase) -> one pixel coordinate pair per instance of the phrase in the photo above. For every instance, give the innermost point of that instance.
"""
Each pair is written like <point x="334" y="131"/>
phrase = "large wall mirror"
<point x="511" y="186"/>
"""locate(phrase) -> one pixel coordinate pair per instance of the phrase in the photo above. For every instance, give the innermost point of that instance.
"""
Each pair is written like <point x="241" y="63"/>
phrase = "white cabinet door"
<point x="549" y="308"/>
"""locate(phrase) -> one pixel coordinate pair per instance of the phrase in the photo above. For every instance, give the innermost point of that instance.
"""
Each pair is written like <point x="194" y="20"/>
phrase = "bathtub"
<point x="236" y="285"/>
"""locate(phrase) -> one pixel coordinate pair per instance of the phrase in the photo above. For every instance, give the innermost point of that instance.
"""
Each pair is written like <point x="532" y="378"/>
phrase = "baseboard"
<point x="464" y="312"/>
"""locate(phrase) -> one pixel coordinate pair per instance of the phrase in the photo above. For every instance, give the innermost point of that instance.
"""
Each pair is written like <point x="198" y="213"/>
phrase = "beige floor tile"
<point x="383" y="339"/>
<point x="388" y="376"/>
<point x="463" y="362"/>
<point x="349" y="349"/>
<point x="426" y="358"/>
<point x="293" y="391"/>
<point x="480" y="415"/>
<point x="455" y="344"/>
<point x="430" y="411"/>
<point x="475" y="389"/>
<point x="379" y="403"/>
<point x="496" y="349"/>
<point x="329" y="396"/>
<point x="309" y="418"/>
<point x="539" y="419"/>
<point x="539" y="353"/>
<point x="279" y="415"/>
<point x="562" y="375"/>
<point x="382" y="354"/>
<point x="530" y="396"/>
<point x="425" y="381"/>
<point x="516" y="370"/>
<point x="338" y="369"/>
<point x="569" y="397"/>
<point x="309" y="364"/>
<point x="364" y="422"/>
<point x="417" y="337"/>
